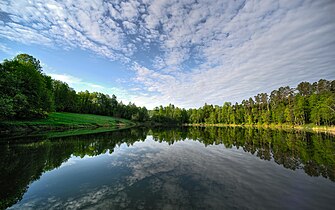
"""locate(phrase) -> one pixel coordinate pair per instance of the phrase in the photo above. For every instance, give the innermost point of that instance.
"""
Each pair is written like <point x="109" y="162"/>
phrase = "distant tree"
<point x="66" y="99"/>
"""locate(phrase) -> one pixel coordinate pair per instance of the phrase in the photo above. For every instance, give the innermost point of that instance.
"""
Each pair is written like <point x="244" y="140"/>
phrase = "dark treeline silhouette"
<point x="27" y="93"/>
<point x="307" y="103"/>
<point x="25" y="162"/>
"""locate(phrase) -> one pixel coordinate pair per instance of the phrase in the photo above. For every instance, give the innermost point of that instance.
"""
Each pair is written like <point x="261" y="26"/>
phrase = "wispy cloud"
<point x="80" y="85"/>
<point x="5" y="49"/>
<point x="66" y="78"/>
<point x="197" y="51"/>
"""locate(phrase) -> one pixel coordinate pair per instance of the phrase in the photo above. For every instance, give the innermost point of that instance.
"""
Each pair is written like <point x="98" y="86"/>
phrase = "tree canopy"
<point x="307" y="103"/>
<point x="27" y="93"/>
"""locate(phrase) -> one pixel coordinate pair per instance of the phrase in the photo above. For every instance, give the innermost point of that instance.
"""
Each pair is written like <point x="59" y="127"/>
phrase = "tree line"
<point x="307" y="103"/>
<point x="27" y="93"/>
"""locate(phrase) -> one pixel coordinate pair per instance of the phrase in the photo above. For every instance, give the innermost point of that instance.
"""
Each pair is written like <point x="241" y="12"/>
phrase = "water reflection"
<point x="315" y="153"/>
<point x="192" y="174"/>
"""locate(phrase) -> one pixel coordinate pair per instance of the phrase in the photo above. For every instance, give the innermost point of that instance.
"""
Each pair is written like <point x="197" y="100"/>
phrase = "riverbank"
<point x="308" y="127"/>
<point x="59" y="121"/>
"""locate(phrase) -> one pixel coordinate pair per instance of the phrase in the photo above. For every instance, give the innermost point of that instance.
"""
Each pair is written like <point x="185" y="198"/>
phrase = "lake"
<point x="180" y="168"/>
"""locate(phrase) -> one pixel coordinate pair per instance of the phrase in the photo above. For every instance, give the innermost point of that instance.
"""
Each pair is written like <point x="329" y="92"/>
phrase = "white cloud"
<point x="264" y="46"/>
<point x="129" y="9"/>
<point x="198" y="51"/>
<point x="80" y="85"/>
<point x="66" y="78"/>
<point x="5" y="49"/>
<point x="58" y="23"/>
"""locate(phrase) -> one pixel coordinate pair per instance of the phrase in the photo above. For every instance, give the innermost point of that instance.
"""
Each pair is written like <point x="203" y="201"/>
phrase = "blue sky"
<point x="185" y="52"/>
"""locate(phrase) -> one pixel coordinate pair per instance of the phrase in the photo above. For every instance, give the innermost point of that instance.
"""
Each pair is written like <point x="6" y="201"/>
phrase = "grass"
<point x="65" y="121"/>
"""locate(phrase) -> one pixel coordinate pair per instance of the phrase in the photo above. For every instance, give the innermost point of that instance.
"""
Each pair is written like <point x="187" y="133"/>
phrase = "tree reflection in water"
<point x="22" y="163"/>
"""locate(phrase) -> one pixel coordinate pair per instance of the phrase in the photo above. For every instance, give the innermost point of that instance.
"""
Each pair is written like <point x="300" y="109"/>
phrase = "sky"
<point x="184" y="52"/>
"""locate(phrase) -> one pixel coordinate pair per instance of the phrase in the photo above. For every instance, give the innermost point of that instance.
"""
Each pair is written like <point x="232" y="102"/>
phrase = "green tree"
<point x="26" y="90"/>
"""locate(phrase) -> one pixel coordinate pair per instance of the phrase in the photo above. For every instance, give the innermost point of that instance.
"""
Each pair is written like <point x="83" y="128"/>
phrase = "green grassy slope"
<point x="63" y="121"/>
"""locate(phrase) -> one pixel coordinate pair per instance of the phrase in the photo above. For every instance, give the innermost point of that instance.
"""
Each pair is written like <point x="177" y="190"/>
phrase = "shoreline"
<point x="309" y="128"/>
<point x="4" y="128"/>
<point x="9" y="128"/>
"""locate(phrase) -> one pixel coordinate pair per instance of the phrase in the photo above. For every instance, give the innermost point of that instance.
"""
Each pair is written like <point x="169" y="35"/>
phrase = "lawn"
<point x="72" y="120"/>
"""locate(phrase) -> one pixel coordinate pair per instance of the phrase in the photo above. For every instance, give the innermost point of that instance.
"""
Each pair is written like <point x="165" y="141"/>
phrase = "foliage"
<point x="308" y="103"/>
<point x="27" y="93"/>
<point x="169" y="115"/>
<point x="24" y="91"/>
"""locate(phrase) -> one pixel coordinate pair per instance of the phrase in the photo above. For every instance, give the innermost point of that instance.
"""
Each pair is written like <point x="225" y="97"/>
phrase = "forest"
<point x="27" y="93"/>
<point x="305" y="104"/>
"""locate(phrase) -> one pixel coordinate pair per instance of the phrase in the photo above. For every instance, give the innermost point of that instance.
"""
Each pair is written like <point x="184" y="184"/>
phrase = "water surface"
<point x="195" y="168"/>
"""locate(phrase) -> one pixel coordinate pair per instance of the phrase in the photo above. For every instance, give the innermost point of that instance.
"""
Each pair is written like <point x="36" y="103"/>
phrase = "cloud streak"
<point x="80" y="85"/>
<point x="196" y="51"/>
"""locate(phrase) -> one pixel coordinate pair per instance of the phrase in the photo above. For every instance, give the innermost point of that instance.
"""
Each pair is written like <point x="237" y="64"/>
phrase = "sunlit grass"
<point x="59" y="119"/>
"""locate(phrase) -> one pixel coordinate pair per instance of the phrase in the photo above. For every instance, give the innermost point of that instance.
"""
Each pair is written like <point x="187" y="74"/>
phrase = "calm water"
<point x="195" y="168"/>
